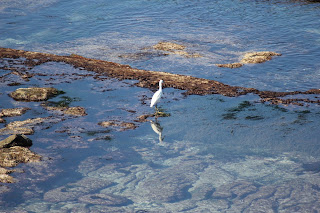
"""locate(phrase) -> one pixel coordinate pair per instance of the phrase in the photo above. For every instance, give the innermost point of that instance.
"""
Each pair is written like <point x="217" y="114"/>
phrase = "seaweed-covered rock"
<point x="15" y="140"/>
<point x="34" y="94"/>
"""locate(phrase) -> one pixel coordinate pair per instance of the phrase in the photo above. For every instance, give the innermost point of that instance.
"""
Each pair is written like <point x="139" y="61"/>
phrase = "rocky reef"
<point x="149" y="79"/>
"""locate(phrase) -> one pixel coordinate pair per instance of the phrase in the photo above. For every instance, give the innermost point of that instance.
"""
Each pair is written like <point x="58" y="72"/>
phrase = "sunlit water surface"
<point x="214" y="154"/>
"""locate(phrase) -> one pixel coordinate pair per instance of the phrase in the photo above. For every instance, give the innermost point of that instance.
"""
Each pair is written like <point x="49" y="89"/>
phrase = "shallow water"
<point x="214" y="154"/>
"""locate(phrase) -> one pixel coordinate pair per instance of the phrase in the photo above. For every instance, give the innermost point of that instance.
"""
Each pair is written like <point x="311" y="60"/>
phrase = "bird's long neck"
<point x="160" y="86"/>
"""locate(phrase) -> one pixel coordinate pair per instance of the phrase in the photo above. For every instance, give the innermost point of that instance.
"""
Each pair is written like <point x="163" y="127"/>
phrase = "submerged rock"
<point x="15" y="140"/>
<point x="168" y="46"/>
<point x="115" y="123"/>
<point x="76" y="111"/>
<point x="144" y="118"/>
<point x="105" y="199"/>
<point x="26" y="127"/>
<point x="73" y="191"/>
<point x="13" y="112"/>
<point x="232" y="65"/>
<point x="21" y="127"/>
<point x="34" y="94"/>
<point x="171" y="184"/>
<point x="174" y="48"/>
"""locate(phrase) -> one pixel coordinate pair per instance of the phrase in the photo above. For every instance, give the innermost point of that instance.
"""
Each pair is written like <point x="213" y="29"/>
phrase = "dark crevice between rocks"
<point x="150" y="79"/>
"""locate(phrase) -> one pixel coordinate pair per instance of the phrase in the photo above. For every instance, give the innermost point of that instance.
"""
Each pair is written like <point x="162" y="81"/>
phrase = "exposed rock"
<point x="33" y="94"/>
<point x="15" y="140"/>
<point x="10" y="157"/>
<point x="115" y="123"/>
<point x="2" y="120"/>
<point x="13" y="112"/>
<point x="258" y="57"/>
<point x="251" y="58"/>
<point x="76" y="111"/>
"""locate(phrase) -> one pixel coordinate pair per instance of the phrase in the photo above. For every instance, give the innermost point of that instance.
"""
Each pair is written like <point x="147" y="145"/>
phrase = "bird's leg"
<point x="157" y="110"/>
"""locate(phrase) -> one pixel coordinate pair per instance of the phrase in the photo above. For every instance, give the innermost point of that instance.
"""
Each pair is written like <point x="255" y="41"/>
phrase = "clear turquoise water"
<point x="234" y="139"/>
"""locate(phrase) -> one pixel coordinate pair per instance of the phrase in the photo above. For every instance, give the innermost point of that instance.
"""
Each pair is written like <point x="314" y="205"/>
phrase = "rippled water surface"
<point x="214" y="153"/>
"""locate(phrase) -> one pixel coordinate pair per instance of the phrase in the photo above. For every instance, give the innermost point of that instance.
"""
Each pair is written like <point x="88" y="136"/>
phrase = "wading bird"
<point x="157" y="96"/>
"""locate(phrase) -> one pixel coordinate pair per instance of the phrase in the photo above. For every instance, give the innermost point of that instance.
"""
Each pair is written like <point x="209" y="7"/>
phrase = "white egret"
<point x="157" y="96"/>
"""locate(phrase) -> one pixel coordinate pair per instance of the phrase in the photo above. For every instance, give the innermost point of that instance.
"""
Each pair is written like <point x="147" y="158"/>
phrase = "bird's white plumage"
<point x="157" y="95"/>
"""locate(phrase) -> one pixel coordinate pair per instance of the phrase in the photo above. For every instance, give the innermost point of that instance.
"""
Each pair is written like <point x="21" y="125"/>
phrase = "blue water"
<point x="209" y="142"/>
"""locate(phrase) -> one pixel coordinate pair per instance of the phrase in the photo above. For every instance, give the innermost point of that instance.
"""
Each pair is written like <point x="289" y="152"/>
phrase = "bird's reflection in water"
<point x="155" y="125"/>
